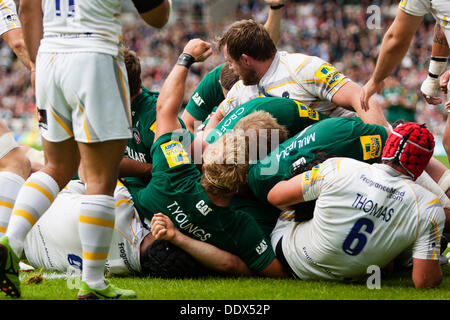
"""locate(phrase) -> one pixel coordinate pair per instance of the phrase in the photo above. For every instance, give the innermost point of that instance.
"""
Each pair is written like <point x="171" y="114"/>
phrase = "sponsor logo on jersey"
<point x="311" y="175"/>
<point x="42" y="118"/>
<point x="182" y="219"/>
<point x="306" y="112"/>
<point x="262" y="247"/>
<point x="136" y="136"/>
<point x="329" y="75"/>
<point x="75" y="261"/>
<point x="371" y="146"/>
<point x="203" y="207"/>
<point x="12" y="17"/>
<point x="124" y="257"/>
<point x="174" y="153"/>
<point x="197" y="99"/>
<point x="286" y="95"/>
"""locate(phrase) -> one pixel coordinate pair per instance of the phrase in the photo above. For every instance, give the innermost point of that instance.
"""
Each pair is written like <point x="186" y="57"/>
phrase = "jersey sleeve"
<point x="254" y="247"/>
<point x="206" y="96"/>
<point x="320" y="78"/>
<point x="431" y="225"/>
<point x="9" y="17"/>
<point x="415" y="7"/>
<point x="315" y="180"/>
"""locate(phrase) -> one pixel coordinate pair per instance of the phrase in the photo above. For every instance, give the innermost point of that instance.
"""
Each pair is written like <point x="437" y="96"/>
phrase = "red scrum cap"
<point x="411" y="145"/>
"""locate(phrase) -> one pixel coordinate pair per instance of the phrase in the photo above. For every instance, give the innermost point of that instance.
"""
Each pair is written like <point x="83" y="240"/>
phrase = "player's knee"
<point x="16" y="161"/>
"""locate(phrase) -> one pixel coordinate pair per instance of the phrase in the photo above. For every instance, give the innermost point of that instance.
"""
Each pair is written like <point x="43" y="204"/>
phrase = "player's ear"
<point x="245" y="59"/>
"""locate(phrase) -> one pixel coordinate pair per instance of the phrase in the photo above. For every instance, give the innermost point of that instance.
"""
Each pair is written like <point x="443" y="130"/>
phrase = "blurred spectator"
<point x="399" y="102"/>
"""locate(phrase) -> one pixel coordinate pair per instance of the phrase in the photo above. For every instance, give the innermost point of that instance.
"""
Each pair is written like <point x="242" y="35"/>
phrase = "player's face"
<point x="244" y="71"/>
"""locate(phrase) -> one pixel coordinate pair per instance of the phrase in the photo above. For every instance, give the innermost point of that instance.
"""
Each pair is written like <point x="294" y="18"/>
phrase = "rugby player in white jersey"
<point x="83" y="105"/>
<point x="264" y="71"/>
<point x="364" y="214"/>
<point x="394" y="46"/>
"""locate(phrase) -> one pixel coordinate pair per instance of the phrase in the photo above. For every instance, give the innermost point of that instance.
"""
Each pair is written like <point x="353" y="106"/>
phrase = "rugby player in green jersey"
<point x="198" y="204"/>
<point x="294" y="115"/>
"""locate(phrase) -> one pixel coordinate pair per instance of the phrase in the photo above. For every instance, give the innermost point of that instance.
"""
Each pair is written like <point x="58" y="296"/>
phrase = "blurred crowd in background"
<point x="342" y="32"/>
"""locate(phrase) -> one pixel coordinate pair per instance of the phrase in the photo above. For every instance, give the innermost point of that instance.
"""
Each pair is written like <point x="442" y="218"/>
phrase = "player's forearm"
<point x="30" y="13"/>
<point x="14" y="39"/>
<point x="273" y="24"/>
<point x="440" y="45"/>
<point x="172" y="93"/>
<point x="133" y="168"/>
<point x="211" y="256"/>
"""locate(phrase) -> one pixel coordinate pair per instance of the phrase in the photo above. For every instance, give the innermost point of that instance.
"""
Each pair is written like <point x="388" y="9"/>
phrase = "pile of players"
<point x="280" y="165"/>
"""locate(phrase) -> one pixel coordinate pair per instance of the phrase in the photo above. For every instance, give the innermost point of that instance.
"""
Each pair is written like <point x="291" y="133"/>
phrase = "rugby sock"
<point x="33" y="199"/>
<point x="96" y="226"/>
<point x="11" y="184"/>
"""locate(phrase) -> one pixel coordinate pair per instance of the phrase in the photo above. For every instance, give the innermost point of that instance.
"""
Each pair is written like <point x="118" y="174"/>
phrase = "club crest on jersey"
<point x="42" y="118"/>
<point x="305" y="111"/>
<point x="329" y="75"/>
<point x="371" y="146"/>
<point x="174" y="153"/>
<point x="136" y="136"/>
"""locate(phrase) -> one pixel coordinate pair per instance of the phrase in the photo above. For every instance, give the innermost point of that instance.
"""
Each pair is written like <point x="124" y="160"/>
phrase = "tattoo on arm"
<point x="439" y="36"/>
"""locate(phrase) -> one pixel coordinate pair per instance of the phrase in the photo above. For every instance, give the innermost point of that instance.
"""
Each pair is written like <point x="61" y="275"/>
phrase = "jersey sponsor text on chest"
<point x="184" y="224"/>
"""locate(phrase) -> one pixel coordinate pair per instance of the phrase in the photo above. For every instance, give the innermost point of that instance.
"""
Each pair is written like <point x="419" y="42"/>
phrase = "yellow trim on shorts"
<point x="24" y="214"/>
<point x="86" y="131"/>
<point x="95" y="256"/>
<point x="62" y="124"/>
<point x="6" y="204"/>
<point x="40" y="189"/>
<point x="96" y="221"/>
<point x="124" y="94"/>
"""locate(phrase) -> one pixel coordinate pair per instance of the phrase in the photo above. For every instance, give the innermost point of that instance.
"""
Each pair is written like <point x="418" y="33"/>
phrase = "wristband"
<point x="185" y="60"/>
<point x="277" y="7"/>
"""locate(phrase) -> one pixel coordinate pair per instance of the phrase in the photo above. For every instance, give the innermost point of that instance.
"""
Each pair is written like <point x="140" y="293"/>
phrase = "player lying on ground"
<point x="357" y="207"/>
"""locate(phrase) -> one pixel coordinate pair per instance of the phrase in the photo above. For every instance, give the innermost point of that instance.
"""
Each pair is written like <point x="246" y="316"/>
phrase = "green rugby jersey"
<point x="341" y="137"/>
<point x="143" y="114"/>
<point x="294" y="115"/>
<point x="207" y="95"/>
<point x="176" y="191"/>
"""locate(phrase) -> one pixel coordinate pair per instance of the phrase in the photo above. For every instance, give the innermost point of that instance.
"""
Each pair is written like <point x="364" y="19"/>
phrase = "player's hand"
<point x="274" y="2"/>
<point x="199" y="49"/>
<point x="444" y="81"/>
<point x="429" y="89"/>
<point x="368" y="90"/>
<point x="162" y="227"/>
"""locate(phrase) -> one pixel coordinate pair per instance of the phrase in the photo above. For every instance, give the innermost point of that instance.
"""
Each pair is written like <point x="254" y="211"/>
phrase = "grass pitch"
<point x="396" y="287"/>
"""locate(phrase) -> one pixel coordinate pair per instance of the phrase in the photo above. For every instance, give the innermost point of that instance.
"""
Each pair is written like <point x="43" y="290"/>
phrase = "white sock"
<point x="34" y="198"/>
<point x="96" y="227"/>
<point x="10" y="185"/>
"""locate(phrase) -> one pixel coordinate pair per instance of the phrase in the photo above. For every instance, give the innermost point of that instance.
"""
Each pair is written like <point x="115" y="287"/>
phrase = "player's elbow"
<point x="233" y="266"/>
<point x="427" y="281"/>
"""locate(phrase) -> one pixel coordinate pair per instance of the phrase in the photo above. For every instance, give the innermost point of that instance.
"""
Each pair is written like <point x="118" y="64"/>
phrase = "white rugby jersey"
<point x="9" y="18"/>
<point x="440" y="9"/>
<point x="364" y="215"/>
<point x="54" y="242"/>
<point x="307" y="79"/>
<point x="81" y="25"/>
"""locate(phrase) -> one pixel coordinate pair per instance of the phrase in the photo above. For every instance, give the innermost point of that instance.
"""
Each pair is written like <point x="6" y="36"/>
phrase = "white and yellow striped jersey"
<point x="364" y="215"/>
<point x="9" y="18"/>
<point x="81" y="25"/>
<point x="54" y="243"/>
<point x="307" y="79"/>
<point x="440" y="9"/>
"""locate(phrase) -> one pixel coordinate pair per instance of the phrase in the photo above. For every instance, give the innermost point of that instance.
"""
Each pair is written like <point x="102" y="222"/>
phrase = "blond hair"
<point x="225" y="165"/>
<point x="261" y="128"/>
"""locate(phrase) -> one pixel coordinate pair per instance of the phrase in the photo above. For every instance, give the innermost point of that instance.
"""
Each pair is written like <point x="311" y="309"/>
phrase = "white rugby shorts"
<point x="82" y="95"/>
